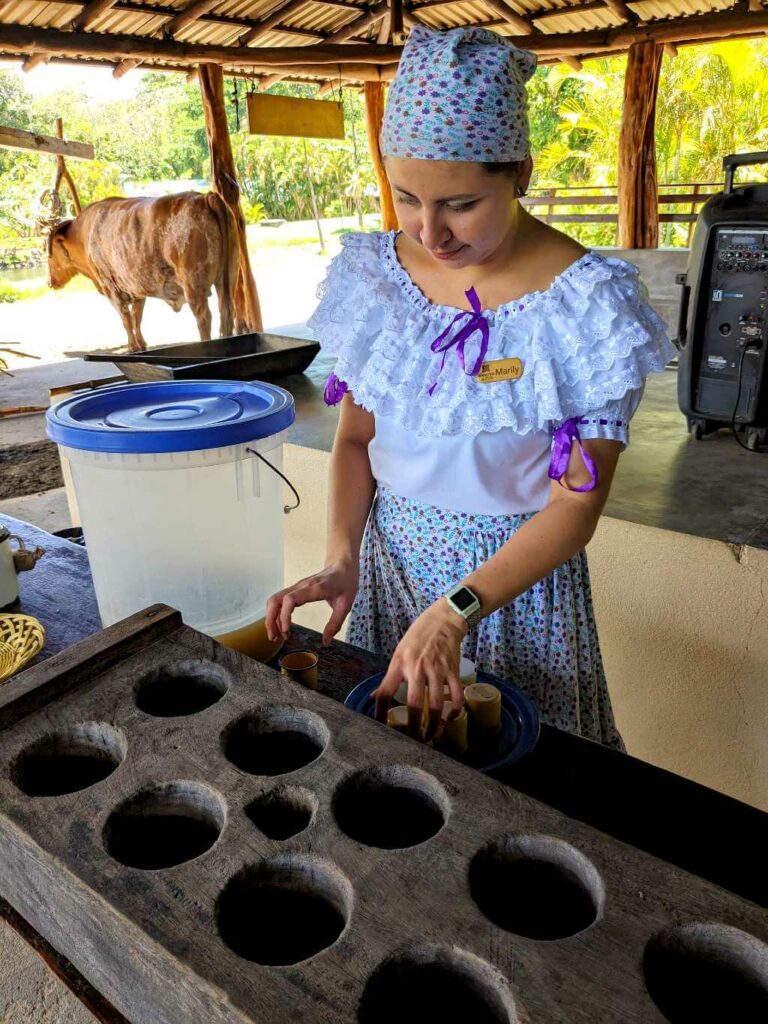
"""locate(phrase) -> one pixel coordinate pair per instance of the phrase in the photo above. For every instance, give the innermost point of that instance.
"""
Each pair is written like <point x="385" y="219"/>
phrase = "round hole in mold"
<point x="283" y="812"/>
<point x="181" y="688"/>
<point x="284" y="909"/>
<point x="164" y="825"/>
<point x="392" y="807"/>
<point x="437" y="983"/>
<point x="705" y="973"/>
<point x="69" y="759"/>
<point x="536" y="886"/>
<point x="275" y="741"/>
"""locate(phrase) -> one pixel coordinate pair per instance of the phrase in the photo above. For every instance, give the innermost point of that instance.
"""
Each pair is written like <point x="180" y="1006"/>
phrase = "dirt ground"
<point x="29" y="468"/>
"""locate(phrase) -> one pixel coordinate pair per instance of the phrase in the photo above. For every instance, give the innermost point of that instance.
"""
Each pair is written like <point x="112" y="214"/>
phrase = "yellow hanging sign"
<point x="289" y="115"/>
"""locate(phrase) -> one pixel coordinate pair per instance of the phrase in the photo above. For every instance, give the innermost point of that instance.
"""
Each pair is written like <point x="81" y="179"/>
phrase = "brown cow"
<point x="173" y="248"/>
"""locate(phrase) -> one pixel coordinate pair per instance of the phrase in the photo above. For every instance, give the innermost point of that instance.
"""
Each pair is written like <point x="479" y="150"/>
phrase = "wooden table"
<point x="680" y="821"/>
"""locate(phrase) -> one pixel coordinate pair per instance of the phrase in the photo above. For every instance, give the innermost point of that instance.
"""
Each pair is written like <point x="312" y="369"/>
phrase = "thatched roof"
<point x="322" y="41"/>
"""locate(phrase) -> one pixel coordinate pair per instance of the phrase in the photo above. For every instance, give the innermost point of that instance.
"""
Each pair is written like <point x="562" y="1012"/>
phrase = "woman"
<point x="487" y="368"/>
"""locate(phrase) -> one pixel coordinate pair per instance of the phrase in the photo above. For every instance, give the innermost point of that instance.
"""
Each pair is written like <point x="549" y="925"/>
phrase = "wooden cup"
<point x="301" y="667"/>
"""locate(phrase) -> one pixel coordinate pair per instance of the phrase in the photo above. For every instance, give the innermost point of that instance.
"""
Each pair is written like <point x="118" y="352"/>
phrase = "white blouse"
<point x="586" y="344"/>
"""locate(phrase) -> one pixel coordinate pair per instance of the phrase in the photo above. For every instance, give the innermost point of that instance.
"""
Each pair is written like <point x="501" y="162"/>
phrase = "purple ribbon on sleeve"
<point x="562" y="444"/>
<point x="334" y="390"/>
<point x="475" y="321"/>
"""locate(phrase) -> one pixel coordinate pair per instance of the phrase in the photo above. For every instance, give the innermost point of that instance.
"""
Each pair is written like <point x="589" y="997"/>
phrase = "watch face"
<point x="463" y="599"/>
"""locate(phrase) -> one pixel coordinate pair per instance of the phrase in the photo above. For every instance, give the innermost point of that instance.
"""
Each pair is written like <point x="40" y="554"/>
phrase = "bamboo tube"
<point x="484" y="705"/>
<point x="454" y="730"/>
<point x="397" y="718"/>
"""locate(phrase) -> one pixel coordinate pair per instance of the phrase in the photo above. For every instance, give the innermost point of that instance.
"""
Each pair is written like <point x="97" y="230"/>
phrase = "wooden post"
<point x="692" y="224"/>
<point x="224" y="180"/>
<point x="638" y="197"/>
<point x="374" y="115"/>
<point x="62" y="171"/>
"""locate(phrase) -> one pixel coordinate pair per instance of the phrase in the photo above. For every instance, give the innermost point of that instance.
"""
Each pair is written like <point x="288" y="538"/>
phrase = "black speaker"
<point x="723" y="325"/>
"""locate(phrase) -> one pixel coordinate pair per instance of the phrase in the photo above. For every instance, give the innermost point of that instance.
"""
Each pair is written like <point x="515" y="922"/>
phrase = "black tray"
<point x="241" y="357"/>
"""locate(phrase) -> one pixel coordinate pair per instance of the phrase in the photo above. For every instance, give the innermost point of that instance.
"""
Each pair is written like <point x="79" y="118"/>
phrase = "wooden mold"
<point x="209" y="843"/>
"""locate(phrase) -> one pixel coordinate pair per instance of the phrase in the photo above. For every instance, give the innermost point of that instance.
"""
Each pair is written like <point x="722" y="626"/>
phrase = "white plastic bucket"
<point x="199" y="529"/>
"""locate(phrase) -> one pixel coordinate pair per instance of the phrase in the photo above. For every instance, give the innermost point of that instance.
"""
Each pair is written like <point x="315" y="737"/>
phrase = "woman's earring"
<point x="520" y="192"/>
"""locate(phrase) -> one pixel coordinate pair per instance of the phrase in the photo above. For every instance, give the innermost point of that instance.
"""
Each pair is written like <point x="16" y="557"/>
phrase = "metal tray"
<point x="241" y="357"/>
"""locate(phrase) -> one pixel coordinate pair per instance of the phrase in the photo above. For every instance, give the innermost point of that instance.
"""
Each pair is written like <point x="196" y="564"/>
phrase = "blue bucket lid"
<point x="170" y="416"/>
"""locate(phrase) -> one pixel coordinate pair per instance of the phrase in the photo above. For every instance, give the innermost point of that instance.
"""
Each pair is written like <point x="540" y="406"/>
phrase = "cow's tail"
<point x="226" y="290"/>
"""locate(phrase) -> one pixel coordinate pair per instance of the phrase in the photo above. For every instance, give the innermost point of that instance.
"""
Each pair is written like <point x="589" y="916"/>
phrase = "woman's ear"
<point x="524" y="175"/>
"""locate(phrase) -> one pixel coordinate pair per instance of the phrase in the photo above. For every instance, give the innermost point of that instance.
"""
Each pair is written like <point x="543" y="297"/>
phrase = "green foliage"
<point x="712" y="100"/>
<point x="11" y="293"/>
<point x="253" y="212"/>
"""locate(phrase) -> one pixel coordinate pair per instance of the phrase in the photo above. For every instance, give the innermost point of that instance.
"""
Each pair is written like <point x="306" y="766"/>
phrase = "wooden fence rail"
<point x="688" y="194"/>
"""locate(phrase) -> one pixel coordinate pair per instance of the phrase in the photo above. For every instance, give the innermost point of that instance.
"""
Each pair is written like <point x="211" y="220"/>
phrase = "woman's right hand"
<point x="337" y="584"/>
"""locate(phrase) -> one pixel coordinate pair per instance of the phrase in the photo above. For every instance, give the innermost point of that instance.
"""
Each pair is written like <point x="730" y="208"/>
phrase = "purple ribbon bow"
<point x="334" y="390"/>
<point x="475" y="322"/>
<point x="562" y="444"/>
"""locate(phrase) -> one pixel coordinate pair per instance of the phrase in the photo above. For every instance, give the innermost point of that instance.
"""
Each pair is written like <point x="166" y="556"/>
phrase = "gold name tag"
<point x="500" y="369"/>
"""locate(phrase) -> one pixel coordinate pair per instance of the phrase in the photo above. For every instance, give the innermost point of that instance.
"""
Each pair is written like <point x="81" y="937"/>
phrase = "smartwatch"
<point x="465" y="603"/>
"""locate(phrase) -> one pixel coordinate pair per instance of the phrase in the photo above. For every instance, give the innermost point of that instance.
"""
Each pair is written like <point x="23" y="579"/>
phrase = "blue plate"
<point x="517" y="736"/>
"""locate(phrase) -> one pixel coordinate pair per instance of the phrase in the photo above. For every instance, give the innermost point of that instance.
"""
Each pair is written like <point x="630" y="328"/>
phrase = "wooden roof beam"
<point x="266" y="25"/>
<point x="368" y="72"/>
<point x="23" y="39"/>
<point x="91" y="13"/>
<point x="124" y="67"/>
<point x="561" y="12"/>
<point x="620" y="9"/>
<point x="30" y="39"/>
<point x="267" y="83"/>
<point x="187" y="16"/>
<point x="395" y="20"/>
<point x="385" y="30"/>
<point x="35" y="61"/>
<point x="168" y="13"/>
<point x="371" y="16"/>
<point x="523" y="26"/>
<point x="527" y="26"/>
<point x="342" y="4"/>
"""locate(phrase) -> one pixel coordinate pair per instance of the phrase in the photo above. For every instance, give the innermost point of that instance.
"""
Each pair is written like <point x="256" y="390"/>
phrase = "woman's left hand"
<point x="427" y="658"/>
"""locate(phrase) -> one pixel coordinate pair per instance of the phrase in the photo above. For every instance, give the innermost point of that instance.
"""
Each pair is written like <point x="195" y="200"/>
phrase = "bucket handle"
<point x="286" y="508"/>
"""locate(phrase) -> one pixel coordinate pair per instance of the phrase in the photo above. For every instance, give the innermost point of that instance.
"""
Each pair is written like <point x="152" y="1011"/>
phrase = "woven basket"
<point x="21" y="638"/>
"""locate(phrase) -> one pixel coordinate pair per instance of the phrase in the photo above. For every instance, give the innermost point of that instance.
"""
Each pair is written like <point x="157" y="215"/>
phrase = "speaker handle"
<point x="682" y="318"/>
<point x="734" y="160"/>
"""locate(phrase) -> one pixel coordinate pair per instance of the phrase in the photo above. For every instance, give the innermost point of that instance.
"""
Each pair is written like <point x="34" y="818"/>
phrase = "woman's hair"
<point x="511" y="167"/>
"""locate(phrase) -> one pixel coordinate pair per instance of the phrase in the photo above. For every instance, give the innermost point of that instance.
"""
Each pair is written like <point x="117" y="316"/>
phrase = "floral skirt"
<point x="545" y="641"/>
